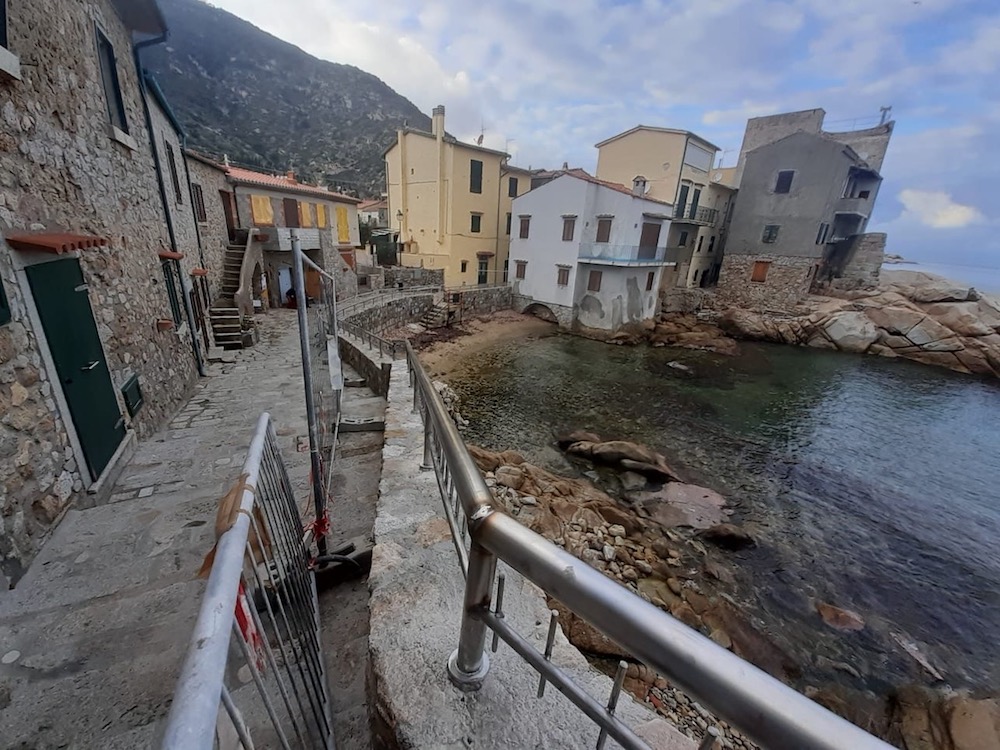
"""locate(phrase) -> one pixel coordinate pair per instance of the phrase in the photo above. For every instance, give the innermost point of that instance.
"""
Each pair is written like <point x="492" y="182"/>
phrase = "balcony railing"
<point x="696" y="215"/>
<point x="859" y="206"/>
<point x="626" y="254"/>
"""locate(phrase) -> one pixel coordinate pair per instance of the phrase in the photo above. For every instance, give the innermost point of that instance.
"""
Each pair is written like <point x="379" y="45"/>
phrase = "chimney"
<point x="437" y="121"/>
<point x="639" y="186"/>
<point x="290" y="174"/>
<point x="565" y="165"/>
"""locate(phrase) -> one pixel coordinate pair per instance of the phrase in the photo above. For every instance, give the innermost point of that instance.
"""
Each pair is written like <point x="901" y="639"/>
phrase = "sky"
<point x="548" y="79"/>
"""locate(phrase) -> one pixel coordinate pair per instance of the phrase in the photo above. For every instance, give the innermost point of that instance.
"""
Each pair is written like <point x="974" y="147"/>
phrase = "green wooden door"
<point x="68" y="321"/>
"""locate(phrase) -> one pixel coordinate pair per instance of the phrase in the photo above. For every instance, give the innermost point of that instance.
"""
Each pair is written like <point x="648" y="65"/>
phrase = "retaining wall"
<point x="400" y="276"/>
<point x="374" y="371"/>
<point x="477" y="301"/>
<point x="379" y="317"/>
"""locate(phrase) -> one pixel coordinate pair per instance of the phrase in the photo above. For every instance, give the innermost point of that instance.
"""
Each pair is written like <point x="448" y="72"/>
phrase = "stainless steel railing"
<point x="261" y="596"/>
<point x="768" y="711"/>
<point x="381" y="296"/>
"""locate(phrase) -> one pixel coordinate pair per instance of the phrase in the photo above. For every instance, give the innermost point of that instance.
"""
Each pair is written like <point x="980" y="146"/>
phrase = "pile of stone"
<point x="681" y="330"/>
<point x="452" y="402"/>
<point x="913" y="315"/>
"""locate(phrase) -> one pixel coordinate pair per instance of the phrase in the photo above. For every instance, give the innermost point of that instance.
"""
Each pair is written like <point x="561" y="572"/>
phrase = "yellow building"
<point x="678" y="167"/>
<point x="450" y="202"/>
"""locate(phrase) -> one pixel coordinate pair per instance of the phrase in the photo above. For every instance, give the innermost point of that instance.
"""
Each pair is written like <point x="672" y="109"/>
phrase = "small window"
<point x="604" y="230"/>
<point x="522" y="265"/>
<point x="770" y="235"/>
<point x="3" y="23"/>
<point x="477" y="223"/>
<point x="508" y="224"/>
<point x="562" y="277"/>
<point x="525" y="225"/>
<point x="465" y="266"/>
<point x="171" y="275"/>
<point x="711" y="244"/>
<point x="109" y="79"/>
<point x="864" y="194"/>
<point x="683" y="240"/>
<point x="475" y="176"/>
<point x="594" y="281"/>
<point x="512" y="187"/>
<point x="695" y="279"/>
<point x="700" y="241"/>
<point x="820" y="234"/>
<point x="198" y="198"/>
<point x="172" y="166"/>
<point x="759" y="273"/>
<point x="650" y="278"/>
<point x="784" y="182"/>
<point x="569" y="226"/>
<point x="4" y="304"/>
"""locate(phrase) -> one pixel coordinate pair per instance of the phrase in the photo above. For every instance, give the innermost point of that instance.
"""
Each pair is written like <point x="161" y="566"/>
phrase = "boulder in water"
<point x="729" y="536"/>
<point x="841" y="619"/>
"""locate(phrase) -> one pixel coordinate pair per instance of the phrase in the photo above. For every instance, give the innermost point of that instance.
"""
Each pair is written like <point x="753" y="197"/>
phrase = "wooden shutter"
<point x="569" y="226"/>
<point x="594" y="282"/>
<point x="525" y="224"/>
<point x="759" y="273"/>
<point x="604" y="230"/>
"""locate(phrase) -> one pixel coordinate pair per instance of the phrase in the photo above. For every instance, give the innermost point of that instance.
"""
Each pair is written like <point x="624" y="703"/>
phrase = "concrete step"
<point x="362" y="424"/>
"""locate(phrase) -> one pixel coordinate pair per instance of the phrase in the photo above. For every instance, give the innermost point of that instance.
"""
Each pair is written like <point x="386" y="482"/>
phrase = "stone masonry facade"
<point x="787" y="281"/>
<point x="213" y="232"/>
<point x="61" y="170"/>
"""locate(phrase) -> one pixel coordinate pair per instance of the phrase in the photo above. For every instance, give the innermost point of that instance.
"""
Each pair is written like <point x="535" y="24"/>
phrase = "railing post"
<point x="469" y="664"/>
<point x="428" y="462"/>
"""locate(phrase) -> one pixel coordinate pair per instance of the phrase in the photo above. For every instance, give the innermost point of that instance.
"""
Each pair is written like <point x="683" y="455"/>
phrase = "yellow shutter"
<point x="321" y="215"/>
<point x="261" y="210"/>
<point x="305" y="214"/>
<point x="343" y="229"/>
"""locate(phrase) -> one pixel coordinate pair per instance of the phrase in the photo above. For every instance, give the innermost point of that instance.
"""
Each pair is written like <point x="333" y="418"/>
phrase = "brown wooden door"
<point x="648" y="240"/>
<point x="291" y="209"/>
<point x="229" y="209"/>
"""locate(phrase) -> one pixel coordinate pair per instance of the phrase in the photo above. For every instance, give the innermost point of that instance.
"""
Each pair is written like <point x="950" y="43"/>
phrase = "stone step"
<point x="362" y="424"/>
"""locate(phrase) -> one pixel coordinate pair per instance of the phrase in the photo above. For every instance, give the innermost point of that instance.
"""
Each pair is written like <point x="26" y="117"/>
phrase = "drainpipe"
<point x="163" y="192"/>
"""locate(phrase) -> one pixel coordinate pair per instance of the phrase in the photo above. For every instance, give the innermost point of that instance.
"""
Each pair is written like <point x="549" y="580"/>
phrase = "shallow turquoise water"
<point x="872" y="483"/>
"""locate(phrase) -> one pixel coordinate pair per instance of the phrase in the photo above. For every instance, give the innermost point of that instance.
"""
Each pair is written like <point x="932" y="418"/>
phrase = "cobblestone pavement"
<point x="93" y="637"/>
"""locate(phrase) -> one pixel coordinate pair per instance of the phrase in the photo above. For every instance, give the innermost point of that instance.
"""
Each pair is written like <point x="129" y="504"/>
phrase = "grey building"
<point x="805" y="198"/>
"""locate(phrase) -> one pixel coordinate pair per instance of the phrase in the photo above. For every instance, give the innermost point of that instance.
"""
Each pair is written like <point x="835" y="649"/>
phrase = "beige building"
<point x="450" y="201"/>
<point x="678" y="167"/>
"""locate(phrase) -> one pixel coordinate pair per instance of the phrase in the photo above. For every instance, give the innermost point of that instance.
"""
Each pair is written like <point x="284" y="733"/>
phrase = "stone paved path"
<point x="92" y="638"/>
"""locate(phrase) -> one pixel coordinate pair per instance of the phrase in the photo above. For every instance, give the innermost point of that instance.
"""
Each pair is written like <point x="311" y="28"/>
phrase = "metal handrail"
<point x="379" y="296"/>
<point x="768" y="711"/>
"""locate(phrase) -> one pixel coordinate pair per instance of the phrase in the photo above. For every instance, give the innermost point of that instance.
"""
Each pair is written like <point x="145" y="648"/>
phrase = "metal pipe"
<point x="319" y="497"/>
<point x="191" y="722"/>
<point x="469" y="664"/>
<point x="767" y="710"/>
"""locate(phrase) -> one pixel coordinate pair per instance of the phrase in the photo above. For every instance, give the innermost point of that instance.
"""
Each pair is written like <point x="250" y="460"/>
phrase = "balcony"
<point x="280" y="238"/>
<point x="603" y="253"/>
<point x="696" y="215"/>
<point x="858" y="206"/>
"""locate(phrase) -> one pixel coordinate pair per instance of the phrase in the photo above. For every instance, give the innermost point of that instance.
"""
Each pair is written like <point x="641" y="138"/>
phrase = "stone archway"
<point x="542" y="311"/>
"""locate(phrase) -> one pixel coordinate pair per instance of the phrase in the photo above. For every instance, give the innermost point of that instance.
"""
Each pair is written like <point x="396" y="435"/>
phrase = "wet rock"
<point x="729" y="536"/>
<point x="510" y="476"/>
<point x="679" y="504"/>
<point x="632" y="480"/>
<point x="841" y="619"/>
<point x="566" y="439"/>
<point x="656" y="472"/>
<point x="615" y="451"/>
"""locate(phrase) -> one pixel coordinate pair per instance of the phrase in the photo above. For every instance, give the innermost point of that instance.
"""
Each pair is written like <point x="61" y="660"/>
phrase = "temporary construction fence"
<point x="259" y="620"/>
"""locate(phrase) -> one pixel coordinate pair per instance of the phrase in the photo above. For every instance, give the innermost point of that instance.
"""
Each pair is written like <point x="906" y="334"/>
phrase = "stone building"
<point x="211" y="195"/>
<point x="91" y="353"/>
<point x="805" y="198"/>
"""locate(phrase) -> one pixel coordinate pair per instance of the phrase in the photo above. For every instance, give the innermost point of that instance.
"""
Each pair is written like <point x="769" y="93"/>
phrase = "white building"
<point x="589" y="253"/>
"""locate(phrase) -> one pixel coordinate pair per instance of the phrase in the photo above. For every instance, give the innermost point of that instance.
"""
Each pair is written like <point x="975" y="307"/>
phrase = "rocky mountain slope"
<point x="240" y="91"/>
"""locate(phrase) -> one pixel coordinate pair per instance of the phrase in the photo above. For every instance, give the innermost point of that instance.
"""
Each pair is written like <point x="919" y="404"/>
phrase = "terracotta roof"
<point x="283" y="183"/>
<point x="55" y="242"/>
<point x="581" y="174"/>
<point x="374" y="203"/>
<point x="654" y="129"/>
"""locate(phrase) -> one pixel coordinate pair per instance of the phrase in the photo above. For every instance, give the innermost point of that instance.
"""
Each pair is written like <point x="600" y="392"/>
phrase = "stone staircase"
<point x="436" y="317"/>
<point x="225" y="317"/>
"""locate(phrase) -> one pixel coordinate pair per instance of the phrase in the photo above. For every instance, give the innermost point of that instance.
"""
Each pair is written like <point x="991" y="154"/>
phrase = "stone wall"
<point x="61" y="170"/>
<point x="788" y="281"/>
<point x="375" y="372"/>
<point x="854" y="264"/>
<point x="407" y="277"/>
<point x="214" y="232"/>
<point x="370" y="278"/>
<point x="475" y="301"/>
<point x="559" y="314"/>
<point x="379" y="317"/>
<point x="683" y="300"/>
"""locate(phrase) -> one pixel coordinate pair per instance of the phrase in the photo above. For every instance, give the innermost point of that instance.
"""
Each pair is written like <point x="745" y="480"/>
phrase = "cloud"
<point x="936" y="209"/>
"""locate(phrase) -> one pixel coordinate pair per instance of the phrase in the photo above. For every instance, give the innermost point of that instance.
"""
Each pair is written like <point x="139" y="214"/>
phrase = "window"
<point x="770" y="235"/>
<point x="650" y="278"/>
<point x="821" y="233"/>
<point x="512" y="187"/>
<point x="3" y="23"/>
<point x="594" y="281"/>
<point x="508" y="224"/>
<point x="695" y="279"/>
<point x="569" y="225"/>
<point x="562" y="277"/>
<point x="683" y="240"/>
<point x="864" y="194"/>
<point x="198" y="198"/>
<point x="477" y="223"/>
<point x="171" y="275"/>
<point x="172" y="166"/>
<point x="604" y="230"/>
<point x="759" y="273"/>
<point x="700" y="241"/>
<point x="522" y="265"/>
<point x="465" y="266"/>
<point x="305" y="214"/>
<point x="109" y="78"/>
<point x="711" y="244"/>
<point x="525" y="224"/>
<point x="475" y="176"/>
<point x="784" y="182"/>
<point x="321" y="215"/>
<point x="4" y="304"/>
<point x="261" y="210"/>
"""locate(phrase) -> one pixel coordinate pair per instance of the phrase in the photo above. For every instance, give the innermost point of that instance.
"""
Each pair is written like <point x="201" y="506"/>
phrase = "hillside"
<point x="240" y="91"/>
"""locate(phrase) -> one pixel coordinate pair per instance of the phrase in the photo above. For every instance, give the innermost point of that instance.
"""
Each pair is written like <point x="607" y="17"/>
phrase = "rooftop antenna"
<point x="722" y="157"/>
<point x="482" y="132"/>
<point x="886" y="111"/>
